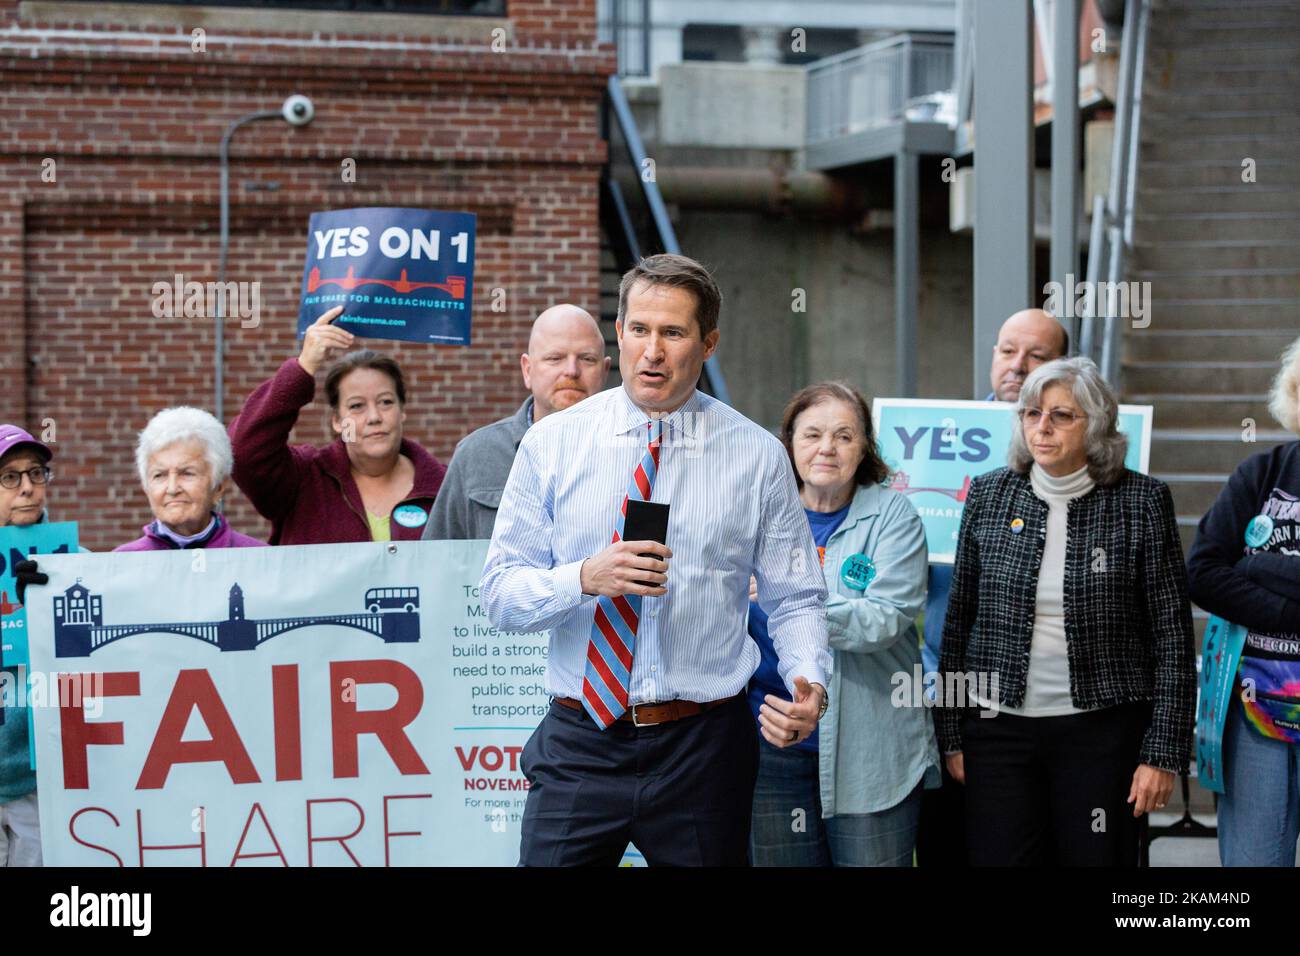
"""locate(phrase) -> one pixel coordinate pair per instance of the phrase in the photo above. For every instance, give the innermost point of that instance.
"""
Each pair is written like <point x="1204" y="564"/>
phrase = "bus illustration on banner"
<point x="392" y="599"/>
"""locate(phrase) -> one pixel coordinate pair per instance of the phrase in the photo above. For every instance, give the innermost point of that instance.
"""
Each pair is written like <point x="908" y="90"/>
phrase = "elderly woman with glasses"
<point x="184" y="460"/>
<point x="1068" y="669"/>
<point x="24" y="474"/>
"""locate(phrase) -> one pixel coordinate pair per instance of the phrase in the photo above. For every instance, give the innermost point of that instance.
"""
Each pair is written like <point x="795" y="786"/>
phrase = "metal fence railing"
<point x="876" y="85"/>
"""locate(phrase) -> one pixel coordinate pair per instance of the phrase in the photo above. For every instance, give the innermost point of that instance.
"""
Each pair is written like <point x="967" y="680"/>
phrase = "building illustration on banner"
<point x="79" y="629"/>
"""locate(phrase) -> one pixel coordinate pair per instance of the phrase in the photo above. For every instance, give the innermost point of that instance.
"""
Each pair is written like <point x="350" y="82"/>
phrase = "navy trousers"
<point x="681" y="791"/>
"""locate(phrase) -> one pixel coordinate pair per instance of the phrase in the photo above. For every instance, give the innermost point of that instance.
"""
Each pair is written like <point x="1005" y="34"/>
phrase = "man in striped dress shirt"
<point x="649" y="738"/>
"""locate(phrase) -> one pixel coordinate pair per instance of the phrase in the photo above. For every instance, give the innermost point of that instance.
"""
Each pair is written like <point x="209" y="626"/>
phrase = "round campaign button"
<point x="410" y="516"/>
<point x="857" y="571"/>
<point x="1017" y="525"/>
<point x="1259" y="531"/>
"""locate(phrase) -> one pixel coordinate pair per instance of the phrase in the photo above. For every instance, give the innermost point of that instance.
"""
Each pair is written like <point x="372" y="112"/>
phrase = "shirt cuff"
<point x="568" y="581"/>
<point x="809" y="672"/>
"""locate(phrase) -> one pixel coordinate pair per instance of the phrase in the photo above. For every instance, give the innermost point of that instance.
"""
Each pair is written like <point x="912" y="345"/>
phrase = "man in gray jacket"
<point x="565" y="363"/>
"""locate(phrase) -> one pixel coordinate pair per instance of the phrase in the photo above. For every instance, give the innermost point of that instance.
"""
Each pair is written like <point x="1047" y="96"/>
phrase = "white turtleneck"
<point x="1047" y="685"/>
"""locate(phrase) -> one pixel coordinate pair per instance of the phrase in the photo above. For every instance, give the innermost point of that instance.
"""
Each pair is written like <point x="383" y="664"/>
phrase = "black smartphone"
<point x="646" y="521"/>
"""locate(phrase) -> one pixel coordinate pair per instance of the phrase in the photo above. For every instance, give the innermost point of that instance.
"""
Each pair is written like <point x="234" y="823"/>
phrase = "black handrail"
<point x="618" y="223"/>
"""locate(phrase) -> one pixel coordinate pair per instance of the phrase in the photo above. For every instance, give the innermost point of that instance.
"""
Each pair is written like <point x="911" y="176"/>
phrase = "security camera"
<point x="297" y="110"/>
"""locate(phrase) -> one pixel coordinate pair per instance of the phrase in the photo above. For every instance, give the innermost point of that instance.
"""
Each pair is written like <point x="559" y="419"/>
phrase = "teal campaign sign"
<point x="934" y="449"/>
<point x="17" y="544"/>
<point x="1220" y="655"/>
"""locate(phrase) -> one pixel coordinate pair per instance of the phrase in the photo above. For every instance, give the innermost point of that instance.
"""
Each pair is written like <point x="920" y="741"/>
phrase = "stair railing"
<point x="1111" y="237"/>
<point x="617" y="214"/>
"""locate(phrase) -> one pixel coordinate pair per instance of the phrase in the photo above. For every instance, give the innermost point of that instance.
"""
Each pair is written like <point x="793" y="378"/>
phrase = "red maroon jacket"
<point x="307" y="492"/>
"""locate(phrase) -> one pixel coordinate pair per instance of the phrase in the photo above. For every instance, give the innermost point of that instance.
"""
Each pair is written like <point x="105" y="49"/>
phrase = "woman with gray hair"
<point x="184" y="460"/>
<point x="1069" y="613"/>
<point x="1245" y="567"/>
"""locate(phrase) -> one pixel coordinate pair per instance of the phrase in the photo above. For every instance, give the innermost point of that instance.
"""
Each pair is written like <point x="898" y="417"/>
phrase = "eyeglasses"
<point x="1059" y="417"/>
<point x="39" y="475"/>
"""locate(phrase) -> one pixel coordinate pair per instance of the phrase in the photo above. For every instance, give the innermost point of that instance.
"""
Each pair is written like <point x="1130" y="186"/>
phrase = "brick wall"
<point x="132" y="117"/>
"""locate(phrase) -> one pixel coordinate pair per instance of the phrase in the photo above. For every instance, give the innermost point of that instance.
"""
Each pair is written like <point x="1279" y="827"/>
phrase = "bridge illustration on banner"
<point x="79" y="628"/>
<point x="900" y="482"/>
<point x="454" y="286"/>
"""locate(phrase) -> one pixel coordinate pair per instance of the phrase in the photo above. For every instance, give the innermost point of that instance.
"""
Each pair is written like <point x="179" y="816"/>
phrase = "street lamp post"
<point x="297" y="110"/>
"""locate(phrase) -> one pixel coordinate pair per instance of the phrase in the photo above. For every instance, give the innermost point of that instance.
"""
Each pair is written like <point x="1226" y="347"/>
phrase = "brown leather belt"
<point x="647" y="715"/>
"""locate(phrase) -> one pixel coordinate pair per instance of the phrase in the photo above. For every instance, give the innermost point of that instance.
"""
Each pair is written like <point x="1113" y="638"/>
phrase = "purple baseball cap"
<point x="12" y="437"/>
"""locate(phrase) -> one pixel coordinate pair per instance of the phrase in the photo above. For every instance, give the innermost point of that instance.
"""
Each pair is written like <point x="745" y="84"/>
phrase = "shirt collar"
<point x="865" y="503"/>
<point x="183" y="541"/>
<point x="683" y="421"/>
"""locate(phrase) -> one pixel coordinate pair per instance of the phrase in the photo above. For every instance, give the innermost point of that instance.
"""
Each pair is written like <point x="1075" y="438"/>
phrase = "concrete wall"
<point x="768" y="351"/>
<point x="707" y="116"/>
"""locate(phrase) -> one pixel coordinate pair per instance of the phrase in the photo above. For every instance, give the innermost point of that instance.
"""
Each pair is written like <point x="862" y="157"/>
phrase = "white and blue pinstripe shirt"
<point x="735" y="511"/>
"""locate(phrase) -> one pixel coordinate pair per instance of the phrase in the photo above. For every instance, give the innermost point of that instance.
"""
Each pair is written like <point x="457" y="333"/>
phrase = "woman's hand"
<point x="322" y="343"/>
<point x="956" y="764"/>
<point x="753" y="588"/>
<point x="1151" y="789"/>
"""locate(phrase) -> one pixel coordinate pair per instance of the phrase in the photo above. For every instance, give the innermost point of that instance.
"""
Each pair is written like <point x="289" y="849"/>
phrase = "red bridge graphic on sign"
<point x="454" y="286"/>
<point x="902" y="483"/>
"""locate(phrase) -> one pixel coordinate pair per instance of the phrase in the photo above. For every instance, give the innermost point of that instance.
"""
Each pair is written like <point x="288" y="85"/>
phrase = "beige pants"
<point x="20" y="832"/>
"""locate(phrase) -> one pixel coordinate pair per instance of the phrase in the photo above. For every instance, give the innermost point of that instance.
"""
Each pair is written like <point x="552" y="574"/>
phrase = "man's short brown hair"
<point x="680" y="272"/>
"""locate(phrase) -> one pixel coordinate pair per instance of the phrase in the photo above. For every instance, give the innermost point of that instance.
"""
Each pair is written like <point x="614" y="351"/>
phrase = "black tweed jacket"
<point x="1128" y="624"/>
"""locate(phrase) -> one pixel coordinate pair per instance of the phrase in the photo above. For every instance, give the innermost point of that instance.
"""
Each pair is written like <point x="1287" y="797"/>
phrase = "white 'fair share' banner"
<point x="316" y="705"/>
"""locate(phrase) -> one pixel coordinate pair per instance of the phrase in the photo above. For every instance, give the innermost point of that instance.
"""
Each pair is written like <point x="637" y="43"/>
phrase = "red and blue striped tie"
<point x="613" y="633"/>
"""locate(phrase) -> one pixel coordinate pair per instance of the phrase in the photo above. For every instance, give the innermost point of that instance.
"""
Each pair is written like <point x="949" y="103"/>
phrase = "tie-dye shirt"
<point x="1253" y="533"/>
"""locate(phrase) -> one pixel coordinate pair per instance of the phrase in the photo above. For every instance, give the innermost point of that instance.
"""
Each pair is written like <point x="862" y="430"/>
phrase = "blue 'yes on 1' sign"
<point x="405" y="274"/>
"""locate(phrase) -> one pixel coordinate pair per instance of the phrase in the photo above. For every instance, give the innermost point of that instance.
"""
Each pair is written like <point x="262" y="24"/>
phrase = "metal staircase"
<point x="633" y="224"/>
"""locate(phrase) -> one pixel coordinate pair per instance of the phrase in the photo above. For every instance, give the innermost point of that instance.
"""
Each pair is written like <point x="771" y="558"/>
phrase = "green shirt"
<point x="379" y="527"/>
